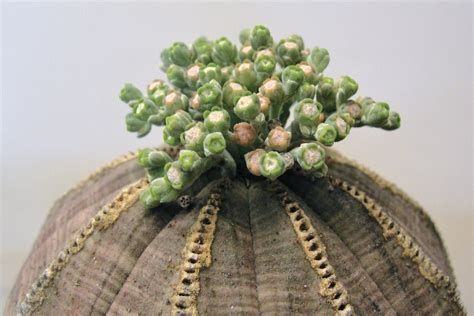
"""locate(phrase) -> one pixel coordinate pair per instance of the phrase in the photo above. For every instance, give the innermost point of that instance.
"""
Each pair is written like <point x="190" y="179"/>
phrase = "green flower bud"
<point x="175" y="101"/>
<point x="310" y="156"/>
<point x="209" y="95"/>
<point x="278" y="139"/>
<point x="150" y="158"/>
<point x="375" y="114"/>
<point x="193" y="136"/>
<point x="272" y="165"/>
<point x="252" y="160"/>
<point x="203" y="50"/>
<point x="189" y="160"/>
<point x="353" y="108"/>
<point x="288" y="53"/>
<point x="306" y="91"/>
<point x="292" y="77"/>
<point x="177" y="76"/>
<point x="326" y="134"/>
<point x="295" y="38"/>
<point x="180" y="54"/>
<point x="145" y="109"/>
<point x="244" y="37"/>
<point x="210" y="72"/>
<point x="148" y="200"/>
<point x="231" y="93"/>
<point x="165" y="59"/>
<point x="246" y="75"/>
<point x="273" y="89"/>
<point x="345" y="88"/>
<point x="175" y="176"/>
<point x="176" y="123"/>
<point x="247" y="107"/>
<point x="170" y="139"/>
<point x="246" y="53"/>
<point x="310" y="75"/>
<point x="163" y="191"/>
<point x="326" y="95"/>
<point x="260" y="38"/>
<point x="342" y="122"/>
<point x="192" y="76"/>
<point x="134" y="124"/>
<point x="130" y="93"/>
<point x="307" y="113"/>
<point x="217" y="121"/>
<point x="157" y="90"/>
<point x="265" y="62"/>
<point x="227" y="73"/>
<point x="224" y="53"/>
<point x="393" y="121"/>
<point x="319" y="59"/>
<point x="214" y="144"/>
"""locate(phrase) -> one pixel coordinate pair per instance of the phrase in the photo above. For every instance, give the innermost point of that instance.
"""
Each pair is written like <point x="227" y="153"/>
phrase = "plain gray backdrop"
<point x="64" y="64"/>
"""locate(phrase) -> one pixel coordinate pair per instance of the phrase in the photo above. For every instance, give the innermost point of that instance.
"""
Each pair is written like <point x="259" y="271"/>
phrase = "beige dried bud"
<point x="264" y="103"/>
<point x="244" y="134"/>
<point x="252" y="160"/>
<point x="278" y="139"/>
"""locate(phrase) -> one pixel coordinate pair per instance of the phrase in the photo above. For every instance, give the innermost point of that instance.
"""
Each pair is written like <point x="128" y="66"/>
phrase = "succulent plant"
<point x="246" y="210"/>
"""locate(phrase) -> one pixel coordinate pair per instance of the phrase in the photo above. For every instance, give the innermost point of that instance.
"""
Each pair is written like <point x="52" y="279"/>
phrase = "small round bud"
<point x="272" y="165"/>
<point x="295" y="38"/>
<point x="246" y="53"/>
<point x="244" y="37"/>
<point x="310" y="156"/>
<point x="278" y="139"/>
<point x="217" y="121"/>
<point x="177" y="76"/>
<point x="192" y="75"/>
<point x="165" y="59"/>
<point x="209" y="95"/>
<point x="345" y="88"/>
<point x="260" y="38"/>
<point x="319" y="59"/>
<point x="157" y="91"/>
<point x="214" y="144"/>
<point x="375" y="114"/>
<point x="353" y="108"/>
<point x="203" y="50"/>
<point x="326" y="95"/>
<point x="272" y="89"/>
<point x="171" y="140"/>
<point x="175" y="176"/>
<point x="247" y="107"/>
<point x="150" y="158"/>
<point x="145" y="109"/>
<point x="306" y="91"/>
<point x="342" y="122"/>
<point x="246" y="75"/>
<point x="307" y="113"/>
<point x="189" y="160"/>
<point x="265" y="63"/>
<point x="180" y="54"/>
<point x="326" y="134"/>
<point x="310" y="75"/>
<point x="264" y="103"/>
<point x="252" y="160"/>
<point x="210" y="72"/>
<point x="227" y="73"/>
<point x="292" y="77"/>
<point x="288" y="53"/>
<point x="393" y="121"/>
<point x="244" y="134"/>
<point x="130" y="93"/>
<point x="231" y="92"/>
<point x="175" y="101"/>
<point x="134" y="124"/>
<point x="193" y="136"/>
<point x="159" y="191"/>
<point x="176" y="123"/>
<point x="224" y="53"/>
<point x="195" y="102"/>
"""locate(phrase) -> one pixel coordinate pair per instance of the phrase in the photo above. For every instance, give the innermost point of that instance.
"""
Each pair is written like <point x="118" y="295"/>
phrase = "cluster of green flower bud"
<point x="232" y="104"/>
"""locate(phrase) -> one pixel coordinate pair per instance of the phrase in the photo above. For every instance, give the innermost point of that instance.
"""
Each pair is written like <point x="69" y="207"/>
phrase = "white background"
<point x="64" y="64"/>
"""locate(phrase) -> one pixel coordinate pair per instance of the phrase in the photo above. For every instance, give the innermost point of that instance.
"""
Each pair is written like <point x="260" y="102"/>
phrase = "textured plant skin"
<point x="348" y="243"/>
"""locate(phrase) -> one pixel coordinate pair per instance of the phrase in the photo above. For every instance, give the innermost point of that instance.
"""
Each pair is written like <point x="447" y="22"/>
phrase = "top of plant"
<point x="230" y="107"/>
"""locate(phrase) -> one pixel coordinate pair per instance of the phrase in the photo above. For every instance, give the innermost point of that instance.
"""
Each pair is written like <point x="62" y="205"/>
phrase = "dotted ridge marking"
<point x="410" y="249"/>
<point x="330" y="288"/>
<point x="196" y="255"/>
<point x="102" y="220"/>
